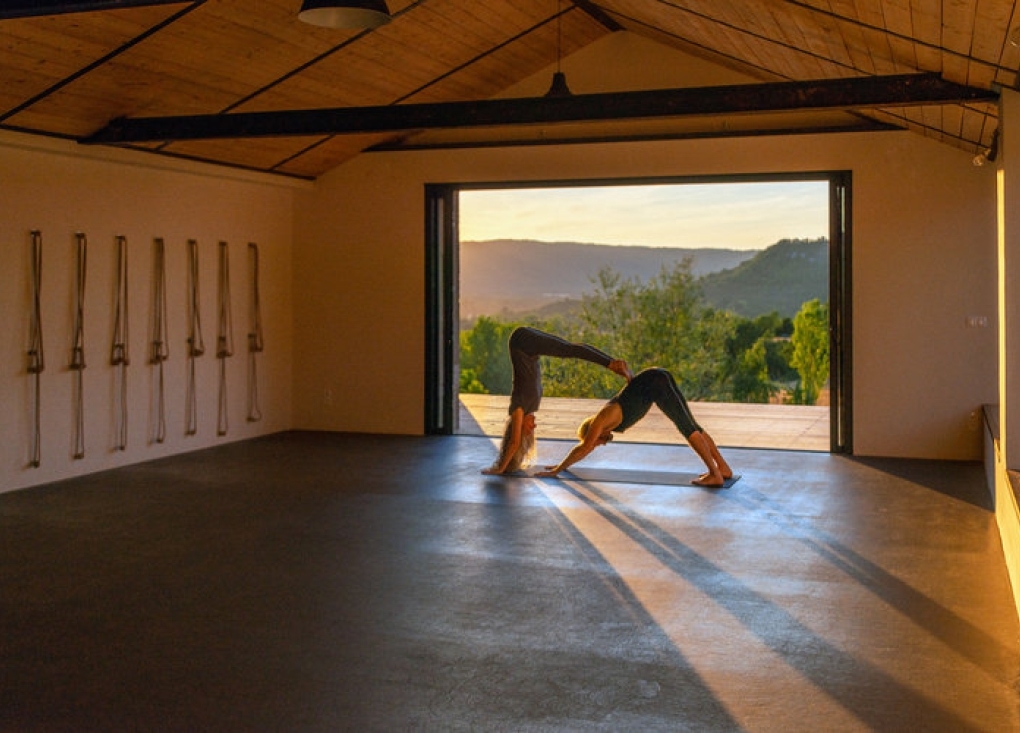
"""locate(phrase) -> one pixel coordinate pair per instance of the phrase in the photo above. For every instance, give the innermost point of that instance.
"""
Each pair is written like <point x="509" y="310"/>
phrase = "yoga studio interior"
<point x="234" y="491"/>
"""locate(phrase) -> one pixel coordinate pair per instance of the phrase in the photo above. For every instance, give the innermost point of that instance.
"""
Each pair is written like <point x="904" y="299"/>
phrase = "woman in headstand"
<point x="526" y="345"/>
<point x="650" y="386"/>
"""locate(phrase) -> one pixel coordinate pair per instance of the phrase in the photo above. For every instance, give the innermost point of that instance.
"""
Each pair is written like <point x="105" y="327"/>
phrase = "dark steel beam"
<point x="32" y="8"/>
<point x="853" y="93"/>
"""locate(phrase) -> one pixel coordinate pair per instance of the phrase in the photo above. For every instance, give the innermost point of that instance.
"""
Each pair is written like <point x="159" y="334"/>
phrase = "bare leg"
<point x="724" y="467"/>
<point x="701" y="445"/>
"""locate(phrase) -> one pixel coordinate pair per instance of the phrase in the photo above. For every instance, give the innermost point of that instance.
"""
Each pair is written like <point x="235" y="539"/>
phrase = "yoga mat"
<point x="634" y="476"/>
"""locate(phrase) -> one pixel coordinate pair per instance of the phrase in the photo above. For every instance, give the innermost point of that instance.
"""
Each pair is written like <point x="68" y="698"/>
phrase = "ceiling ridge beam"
<point x="851" y="93"/>
<point x="597" y="14"/>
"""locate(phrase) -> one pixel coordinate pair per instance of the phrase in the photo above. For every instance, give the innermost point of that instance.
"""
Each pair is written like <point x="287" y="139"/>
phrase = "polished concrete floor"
<point x="323" y="582"/>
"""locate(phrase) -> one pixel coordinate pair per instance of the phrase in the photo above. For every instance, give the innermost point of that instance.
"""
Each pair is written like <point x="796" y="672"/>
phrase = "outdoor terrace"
<point x="732" y="425"/>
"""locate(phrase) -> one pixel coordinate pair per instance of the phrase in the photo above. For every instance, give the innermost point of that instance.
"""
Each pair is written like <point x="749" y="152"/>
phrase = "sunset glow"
<point x="731" y="215"/>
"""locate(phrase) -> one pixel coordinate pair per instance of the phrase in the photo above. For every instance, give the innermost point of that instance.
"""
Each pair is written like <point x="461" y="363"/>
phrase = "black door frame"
<point x="442" y="289"/>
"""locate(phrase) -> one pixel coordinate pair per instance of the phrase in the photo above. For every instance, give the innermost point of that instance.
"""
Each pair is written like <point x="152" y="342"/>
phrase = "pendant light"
<point x="559" y="87"/>
<point x="362" y="14"/>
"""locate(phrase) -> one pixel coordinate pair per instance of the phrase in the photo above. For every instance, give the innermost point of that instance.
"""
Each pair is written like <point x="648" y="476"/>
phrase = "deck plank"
<point x="732" y="425"/>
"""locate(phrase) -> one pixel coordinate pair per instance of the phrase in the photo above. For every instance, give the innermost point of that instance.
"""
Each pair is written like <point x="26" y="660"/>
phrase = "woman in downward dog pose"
<point x="651" y="386"/>
<point x="526" y="346"/>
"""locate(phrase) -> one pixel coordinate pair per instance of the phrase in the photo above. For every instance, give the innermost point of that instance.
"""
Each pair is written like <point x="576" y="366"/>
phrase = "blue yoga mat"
<point x="632" y="476"/>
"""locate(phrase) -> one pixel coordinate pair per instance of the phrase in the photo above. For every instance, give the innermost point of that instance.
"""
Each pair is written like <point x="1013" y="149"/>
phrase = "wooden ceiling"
<point x="72" y="74"/>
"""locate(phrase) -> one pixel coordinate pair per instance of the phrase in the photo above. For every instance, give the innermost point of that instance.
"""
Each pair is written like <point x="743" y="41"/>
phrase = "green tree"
<point x="750" y="380"/>
<point x="810" y="357"/>
<point x="484" y="362"/>
<point x="661" y="323"/>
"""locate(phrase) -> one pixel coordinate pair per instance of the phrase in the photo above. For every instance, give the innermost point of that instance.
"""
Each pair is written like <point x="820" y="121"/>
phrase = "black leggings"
<point x="657" y="387"/>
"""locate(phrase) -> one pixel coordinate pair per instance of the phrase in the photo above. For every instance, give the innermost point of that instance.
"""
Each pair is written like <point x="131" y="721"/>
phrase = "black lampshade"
<point x="559" y="87"/>
<point x="345" y="13"/>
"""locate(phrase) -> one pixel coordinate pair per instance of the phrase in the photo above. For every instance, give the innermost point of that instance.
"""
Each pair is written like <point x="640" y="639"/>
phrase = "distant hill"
<point x="779" y="278"/>
<point x="508" y="276"/>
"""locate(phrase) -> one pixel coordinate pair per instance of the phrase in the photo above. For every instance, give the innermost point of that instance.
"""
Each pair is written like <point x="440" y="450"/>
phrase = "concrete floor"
<point x="318" y="582"/>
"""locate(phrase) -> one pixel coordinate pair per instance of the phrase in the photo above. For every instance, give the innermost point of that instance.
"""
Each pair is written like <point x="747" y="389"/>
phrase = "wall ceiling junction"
<point x="246" y="83"/>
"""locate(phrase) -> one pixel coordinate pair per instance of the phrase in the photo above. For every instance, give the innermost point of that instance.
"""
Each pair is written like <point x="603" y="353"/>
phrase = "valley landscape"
<point x="510" y="278"/>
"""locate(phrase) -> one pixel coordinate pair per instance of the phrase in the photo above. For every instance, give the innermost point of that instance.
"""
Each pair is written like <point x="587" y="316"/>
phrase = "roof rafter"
<point x="852" y="93"/>
<point x="32" y="8"/>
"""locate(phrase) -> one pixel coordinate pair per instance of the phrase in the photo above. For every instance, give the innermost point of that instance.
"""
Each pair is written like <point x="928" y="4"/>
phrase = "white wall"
<point x="59" y="189"/>
<point x="924" y="260"/>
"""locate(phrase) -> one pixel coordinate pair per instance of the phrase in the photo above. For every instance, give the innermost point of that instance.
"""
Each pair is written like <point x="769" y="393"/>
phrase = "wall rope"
<point x="196" y="347"/>
<point x="36" y="359"/>
<point x="119" y="357"/>
<point x="254" y="337"/>
<point x="159" y="348"/>
<point x="77" y="365"/>
<point x="224" y="335"/>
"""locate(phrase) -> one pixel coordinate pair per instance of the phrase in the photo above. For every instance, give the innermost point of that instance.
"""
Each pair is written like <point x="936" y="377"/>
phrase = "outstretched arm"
<point x="511" y="444"/>
<point x="620" y="367"/>
<point x="606" y="419"/>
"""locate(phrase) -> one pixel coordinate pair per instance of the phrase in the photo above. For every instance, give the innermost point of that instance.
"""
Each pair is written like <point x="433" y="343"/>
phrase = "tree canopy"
<point x="714" y="354"/>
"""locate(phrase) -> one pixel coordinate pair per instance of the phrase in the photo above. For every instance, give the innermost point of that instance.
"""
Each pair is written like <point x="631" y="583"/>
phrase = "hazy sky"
<point x="726" y="215"/>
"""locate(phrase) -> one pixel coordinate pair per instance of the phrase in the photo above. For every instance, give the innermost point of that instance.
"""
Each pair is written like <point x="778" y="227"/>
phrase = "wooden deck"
<point x="732" y="425"/>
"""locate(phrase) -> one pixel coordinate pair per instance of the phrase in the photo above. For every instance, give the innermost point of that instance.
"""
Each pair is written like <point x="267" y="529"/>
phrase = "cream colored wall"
<point x="59" y="188"/>
<point x="923" y="259"/>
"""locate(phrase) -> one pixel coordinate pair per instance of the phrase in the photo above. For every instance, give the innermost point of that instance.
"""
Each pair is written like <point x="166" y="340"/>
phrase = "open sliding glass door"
<point x="441" y="297"/>
<point x="840" y="311"/>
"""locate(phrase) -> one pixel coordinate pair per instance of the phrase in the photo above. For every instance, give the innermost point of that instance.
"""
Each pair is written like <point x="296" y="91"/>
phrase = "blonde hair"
<point x="584" y="427"/>
<point x="525" y="451"/>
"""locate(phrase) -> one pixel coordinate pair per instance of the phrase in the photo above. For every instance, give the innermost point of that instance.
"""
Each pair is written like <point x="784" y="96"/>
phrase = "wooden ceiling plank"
<point x="241" y="152"/>
<point x="958" y="25"/>
<point x="926" y="21"/>
<point x="823" y="37"/>
<point x="980" y="74"/>
<point x="991" y="27"/>
<point x="928" y="58"/>
<point x="332" y="152"/>
<point x="857" y="46"/>
<point x="384" y="76"/>
<point x="952" y="119"/>
<point x="897" y="18"/>
<point x="804" y="33"/>
<point x="692" y="22"/>
<point x="255" y="55"/>
<point x="689" y="47"/>
<point x="38" y="54"/>
<point x="973" y="128"/>
<point x="899" y="21"/>
<point x="494" y="72"/>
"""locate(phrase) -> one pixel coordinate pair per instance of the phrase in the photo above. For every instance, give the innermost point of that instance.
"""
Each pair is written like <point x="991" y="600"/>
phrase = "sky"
<point x="749" y="215"/>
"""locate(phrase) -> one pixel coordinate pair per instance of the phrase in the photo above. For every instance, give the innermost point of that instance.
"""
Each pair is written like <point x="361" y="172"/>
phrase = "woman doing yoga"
<point x="651" y="386"/>
<point x="526" y="346"/>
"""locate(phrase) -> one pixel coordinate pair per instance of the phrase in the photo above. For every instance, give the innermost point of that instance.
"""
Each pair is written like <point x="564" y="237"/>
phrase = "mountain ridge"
<point x="509" y="277"/>
<point x="521" y="275"/>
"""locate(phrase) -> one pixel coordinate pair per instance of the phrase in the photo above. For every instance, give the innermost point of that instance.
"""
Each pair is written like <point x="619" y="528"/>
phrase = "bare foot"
<point x="709" y="481"/>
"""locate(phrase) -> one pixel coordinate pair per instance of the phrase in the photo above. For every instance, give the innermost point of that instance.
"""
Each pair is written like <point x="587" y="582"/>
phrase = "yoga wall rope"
<point x="36" y="360"/>
<point x="158" y="352"/>
<point x="254" y="336"/>
<point x="77" y="365"/>
<point x="119" y="358"/>
<point x="224" y="335"/>
<point x="196" y="347"/>
<point x="159" y="348"/>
